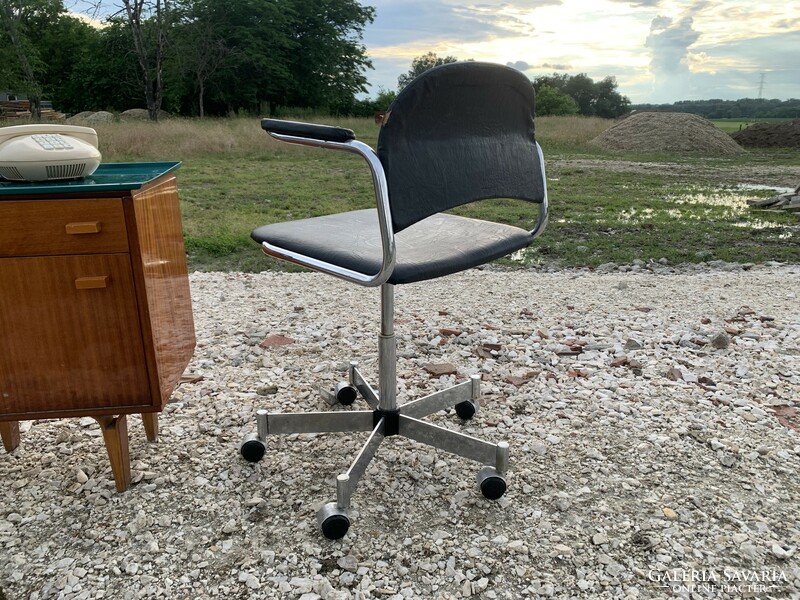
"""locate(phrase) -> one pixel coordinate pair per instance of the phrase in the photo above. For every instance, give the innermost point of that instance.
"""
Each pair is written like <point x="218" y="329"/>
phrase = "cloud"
<point x="740" y="63"/>
<point x="669" y="43"/>
<point x="432" y="21"/>
<point x="640" y="3"/>
<point x="701" y="5"/>
<point x="660" y="23"/>
<point x="88" y="19"/>
<point x="659" y="50"/>
<point x="520" y="65"/>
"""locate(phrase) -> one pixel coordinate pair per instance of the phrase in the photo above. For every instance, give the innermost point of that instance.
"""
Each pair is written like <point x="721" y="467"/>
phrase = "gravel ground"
<point x="652" y="452"/>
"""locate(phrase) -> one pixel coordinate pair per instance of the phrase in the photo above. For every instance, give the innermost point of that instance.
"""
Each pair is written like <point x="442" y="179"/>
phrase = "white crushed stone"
<point x="619" y="474"/>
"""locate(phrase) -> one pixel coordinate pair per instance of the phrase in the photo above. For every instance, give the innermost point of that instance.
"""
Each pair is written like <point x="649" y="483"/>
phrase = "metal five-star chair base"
<point x="385" y="419"/>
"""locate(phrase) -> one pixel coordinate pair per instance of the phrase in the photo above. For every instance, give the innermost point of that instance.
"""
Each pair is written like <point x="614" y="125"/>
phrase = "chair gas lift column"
<point x="458" y="133"/>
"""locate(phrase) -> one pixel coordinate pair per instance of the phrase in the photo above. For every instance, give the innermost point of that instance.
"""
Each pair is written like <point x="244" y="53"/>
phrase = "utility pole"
<point x="761" y="85"/>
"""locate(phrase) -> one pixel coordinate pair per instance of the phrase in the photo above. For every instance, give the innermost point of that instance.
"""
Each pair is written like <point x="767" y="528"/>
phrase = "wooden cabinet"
<point x="95" y="311"/>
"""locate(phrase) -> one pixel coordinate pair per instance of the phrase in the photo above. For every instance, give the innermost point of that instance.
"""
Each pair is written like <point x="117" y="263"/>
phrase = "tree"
<point x="609" y="103"/>
<point x="258" y="36"/>
<point x="372" y="107"/>
<point x="593" y="99"/>
<point x="384" y="98"/>
<point x="190" y="55"/>
<point x="19" y="22"/>
<point x="69" y="44"/>
<point x="581" y="89"/>
<point x="110" y="72"/>
<point x="149" y="21"/>
<point x="551" y="101"/>
<point x="200" y="49"/>
<point x="328" y="62"/>
<point x="421" y="64"/>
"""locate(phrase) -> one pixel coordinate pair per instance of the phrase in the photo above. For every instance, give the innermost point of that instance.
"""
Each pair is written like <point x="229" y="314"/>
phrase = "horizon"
<point x="661" y="51"/>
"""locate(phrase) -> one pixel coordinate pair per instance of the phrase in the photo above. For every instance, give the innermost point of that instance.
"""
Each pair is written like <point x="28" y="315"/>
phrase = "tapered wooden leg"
<point x="9" y="431"/>
<point x="115" y="434"/>
<point x="151" y="426"/>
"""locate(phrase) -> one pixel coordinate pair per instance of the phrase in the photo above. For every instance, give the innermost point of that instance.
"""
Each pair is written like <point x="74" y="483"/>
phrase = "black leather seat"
<point x="436" y="246"/>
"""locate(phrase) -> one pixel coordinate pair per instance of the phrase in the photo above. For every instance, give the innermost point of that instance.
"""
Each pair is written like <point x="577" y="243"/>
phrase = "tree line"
<point x="198" y="57"/>
<point x="191" y="57"/>
<point x="562" y="94"/>
<point x="745" y="108"/>
<point x="556" y="94"/>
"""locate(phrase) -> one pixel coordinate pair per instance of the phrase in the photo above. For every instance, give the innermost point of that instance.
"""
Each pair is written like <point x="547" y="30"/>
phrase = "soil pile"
<point x="770" y="135"/>
<point x="667" y="132"/>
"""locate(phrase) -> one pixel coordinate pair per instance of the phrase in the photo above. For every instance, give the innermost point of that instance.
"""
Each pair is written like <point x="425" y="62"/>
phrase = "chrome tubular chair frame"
<point x="386" y="418"/>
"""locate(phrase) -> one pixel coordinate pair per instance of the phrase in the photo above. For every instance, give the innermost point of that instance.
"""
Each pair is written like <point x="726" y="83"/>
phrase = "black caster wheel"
<point x="493" y="484"/>
<point x="252" y="449"/>
<point x="333" y="521"/>
<point x="335" y="527"/>
<point x="346" y="393"/>
<point x="466" y="410"/>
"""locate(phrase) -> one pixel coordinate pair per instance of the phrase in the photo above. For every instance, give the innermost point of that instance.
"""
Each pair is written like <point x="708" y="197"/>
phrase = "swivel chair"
<point x="458" y="133"/>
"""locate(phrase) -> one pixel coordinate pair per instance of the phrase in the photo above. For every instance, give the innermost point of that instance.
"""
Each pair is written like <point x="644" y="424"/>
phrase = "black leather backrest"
<point x="458" y="133"/>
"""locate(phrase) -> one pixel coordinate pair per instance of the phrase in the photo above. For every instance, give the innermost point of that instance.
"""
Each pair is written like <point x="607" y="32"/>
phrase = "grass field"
<point x="731" y="125"/>
<point x="604" y="208"/>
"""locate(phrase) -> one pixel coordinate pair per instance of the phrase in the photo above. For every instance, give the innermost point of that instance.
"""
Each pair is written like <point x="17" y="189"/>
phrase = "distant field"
<point x="731" y="125"/>
<point x="605" y="208"/>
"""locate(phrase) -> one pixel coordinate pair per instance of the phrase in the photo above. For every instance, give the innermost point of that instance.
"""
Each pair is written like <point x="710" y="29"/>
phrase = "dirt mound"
<point x="667" y="132"/>
<point x="81" y="116"/>
<point x="770" y="135"/>
<point x="101" y="116"/>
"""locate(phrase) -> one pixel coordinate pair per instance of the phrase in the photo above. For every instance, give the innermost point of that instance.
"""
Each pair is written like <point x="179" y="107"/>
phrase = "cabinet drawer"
<point x="46" y="227"/>
<point x="70" y="336"/>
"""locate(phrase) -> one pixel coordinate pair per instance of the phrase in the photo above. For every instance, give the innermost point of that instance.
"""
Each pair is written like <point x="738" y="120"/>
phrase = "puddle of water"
<point x="727" y="199"/>
<point x="636" y="216"/>
<point x="760" y="187"/>
<point x="756" y="225"/>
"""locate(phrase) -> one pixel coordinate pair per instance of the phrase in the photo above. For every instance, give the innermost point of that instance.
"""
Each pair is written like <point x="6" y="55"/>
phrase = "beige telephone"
<point x="46" y="152"/>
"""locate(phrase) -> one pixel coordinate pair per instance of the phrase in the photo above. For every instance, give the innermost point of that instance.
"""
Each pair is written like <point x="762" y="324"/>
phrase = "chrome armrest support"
<point x="384" y="217"/>
<point x="543" y="205"/>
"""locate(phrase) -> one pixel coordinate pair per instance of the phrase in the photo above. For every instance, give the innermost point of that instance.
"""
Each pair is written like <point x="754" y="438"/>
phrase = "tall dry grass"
<point x="181" y="139"/>
<point x="178" y="139"/>
<point x="569" y="133"/>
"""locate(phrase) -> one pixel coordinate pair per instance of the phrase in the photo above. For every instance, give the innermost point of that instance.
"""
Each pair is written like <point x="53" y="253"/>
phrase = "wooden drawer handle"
<point x="81" y="228"/>
<point x="91" y="283"/>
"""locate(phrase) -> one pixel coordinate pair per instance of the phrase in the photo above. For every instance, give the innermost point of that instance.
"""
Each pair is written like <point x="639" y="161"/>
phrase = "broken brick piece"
<point x="439" y="369"/>
<point x="275" y="341"/>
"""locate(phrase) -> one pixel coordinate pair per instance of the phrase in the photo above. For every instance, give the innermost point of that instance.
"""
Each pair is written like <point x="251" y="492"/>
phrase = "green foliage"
<point x="21" y="26"/>
<point x="594" y="99"/>
<point x="254" y="41"/>
<point x="732" y="125"/>
<point x="744" y="108"/>
<point x="550" y="101"/>
<point x="219" y="58"/>
<point x="328" y="61"/>
<point x="107" y="74"/>
<point x="385" y="98"/>
<point x="371" y="106"/>
<point x="66" y="73"/>
<point x="256" y="56"/>
<point x="421" y="64"/>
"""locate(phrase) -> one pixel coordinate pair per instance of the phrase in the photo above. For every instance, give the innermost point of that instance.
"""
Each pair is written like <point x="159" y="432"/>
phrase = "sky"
<point x="660" y="51"/>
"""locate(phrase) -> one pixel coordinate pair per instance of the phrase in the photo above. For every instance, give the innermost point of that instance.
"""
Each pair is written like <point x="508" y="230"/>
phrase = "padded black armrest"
<point x="326" y="133"/>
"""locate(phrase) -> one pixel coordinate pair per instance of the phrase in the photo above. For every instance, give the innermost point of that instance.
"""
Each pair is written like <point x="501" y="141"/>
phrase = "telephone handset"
<point x="46" y="152"/>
